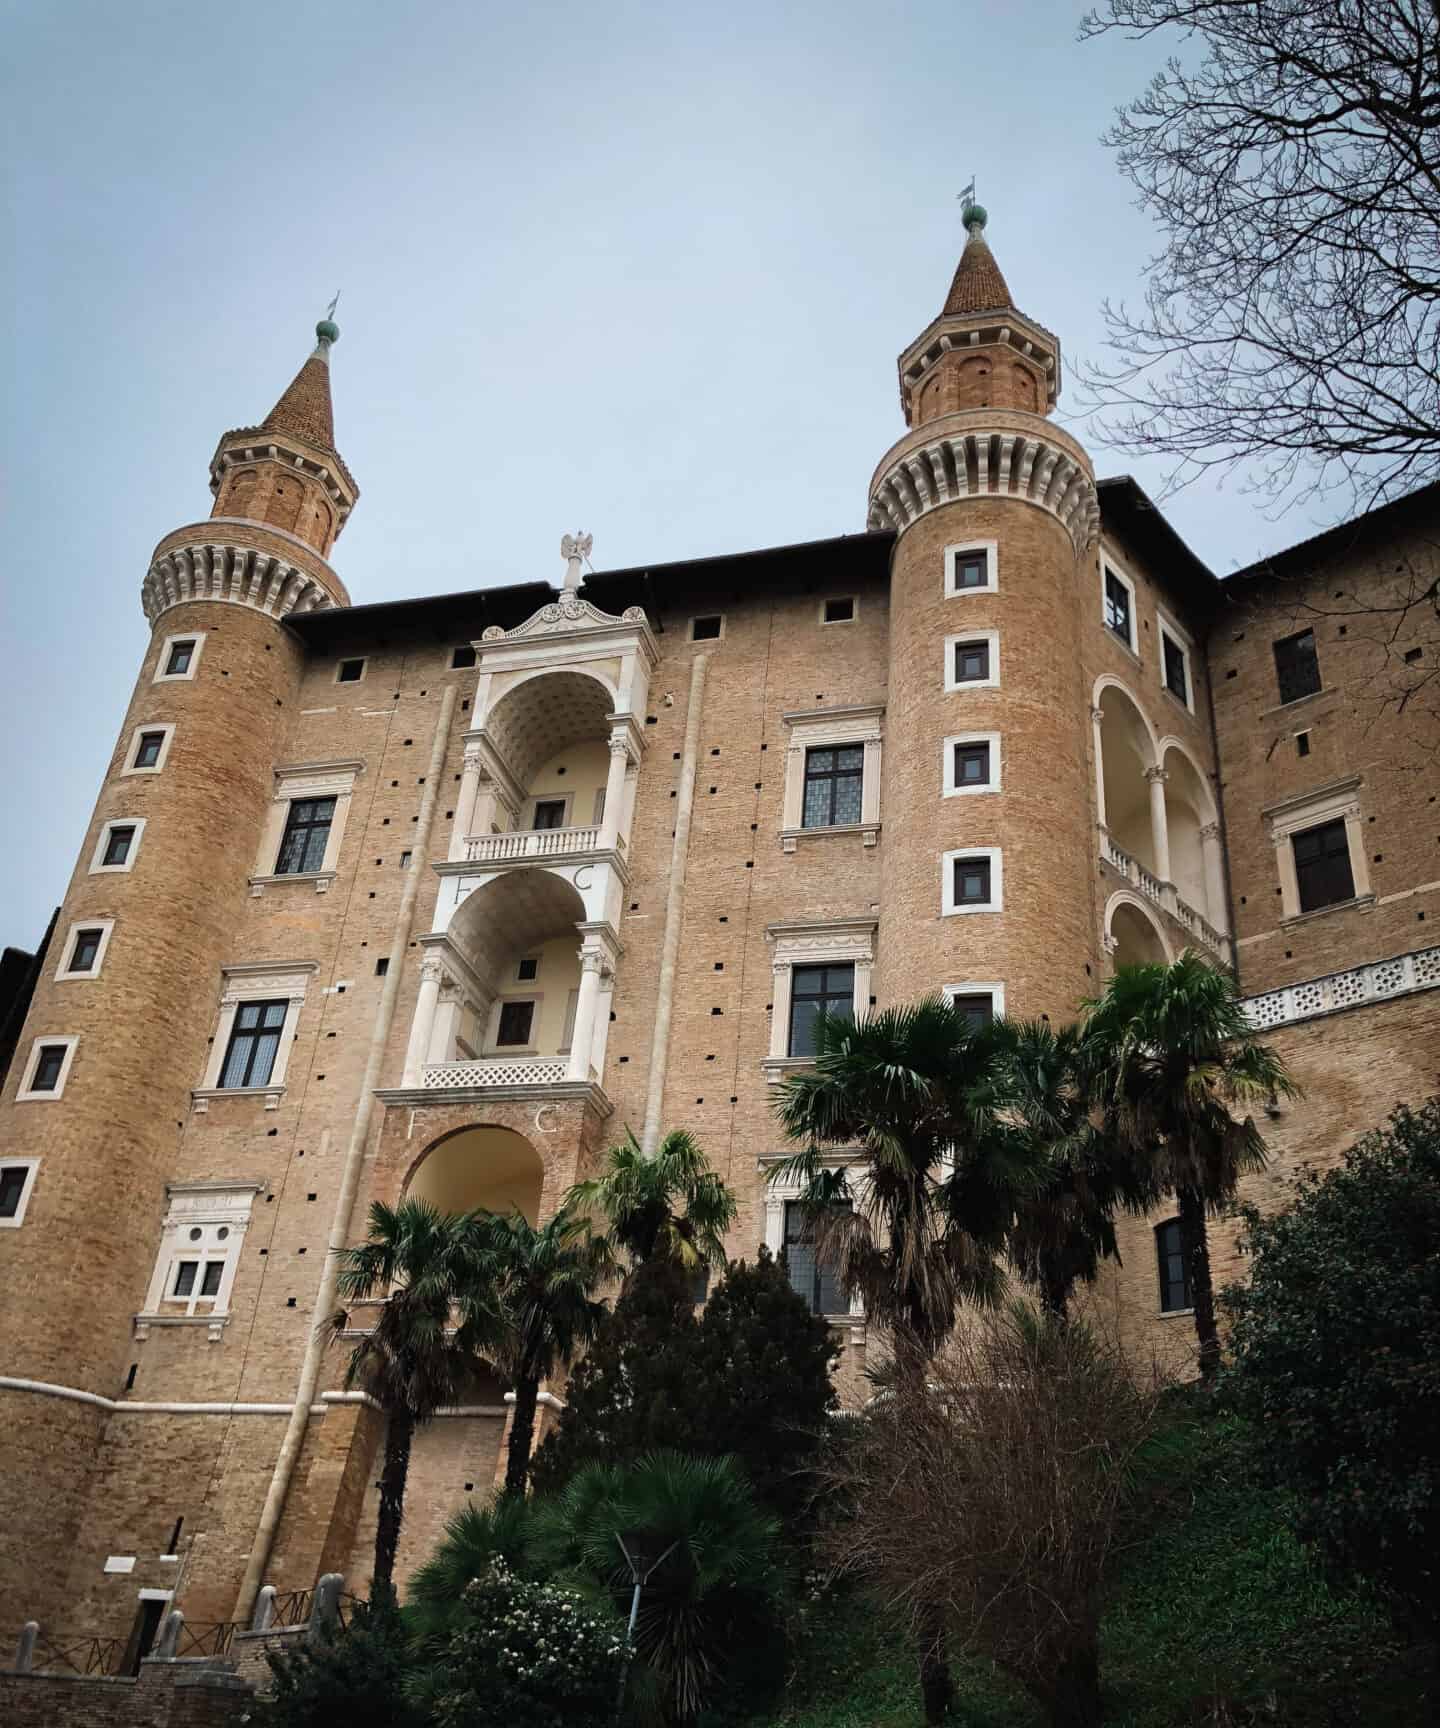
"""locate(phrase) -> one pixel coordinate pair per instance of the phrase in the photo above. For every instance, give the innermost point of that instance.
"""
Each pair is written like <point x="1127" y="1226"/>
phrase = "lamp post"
<point x="642" y="1570"/>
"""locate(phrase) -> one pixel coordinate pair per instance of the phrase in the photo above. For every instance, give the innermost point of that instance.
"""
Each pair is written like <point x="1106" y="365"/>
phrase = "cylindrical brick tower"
<point x="131" y="981"/>
<point x="988" y="849"/>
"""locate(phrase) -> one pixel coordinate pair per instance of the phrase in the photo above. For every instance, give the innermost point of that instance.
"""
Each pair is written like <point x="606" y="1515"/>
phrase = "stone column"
<point x="1159" y="826"/>
<point x="1214" y="875"/>
<point x="461" y="829"/>
<point x="615" y="789"/>
<point x="447" y="1023"/>
<point x="583" y="1036"/>
<point x="422" y="1028"/>
<point x="1097" y="718"/>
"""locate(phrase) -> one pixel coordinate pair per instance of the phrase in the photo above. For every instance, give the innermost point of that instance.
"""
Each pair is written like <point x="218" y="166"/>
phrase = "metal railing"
<point x="79" y="1653"/>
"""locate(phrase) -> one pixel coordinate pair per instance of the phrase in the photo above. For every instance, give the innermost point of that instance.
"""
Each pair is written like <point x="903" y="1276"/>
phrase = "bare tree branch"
<point x="1290" y="154"/>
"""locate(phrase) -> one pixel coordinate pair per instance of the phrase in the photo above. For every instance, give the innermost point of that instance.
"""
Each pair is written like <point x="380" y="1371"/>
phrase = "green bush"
<point x="356" y="1674"/>
<point x="523" y="1655"/>
<point x="1336" y="1344"/>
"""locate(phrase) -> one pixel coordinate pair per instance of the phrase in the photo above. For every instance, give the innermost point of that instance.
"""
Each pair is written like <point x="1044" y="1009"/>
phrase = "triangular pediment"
<point x="563" y="617"/>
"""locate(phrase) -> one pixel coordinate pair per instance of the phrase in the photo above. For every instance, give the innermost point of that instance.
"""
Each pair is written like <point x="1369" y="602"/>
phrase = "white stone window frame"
<point x="996" y="902"/>
<point x="950" y="787"/>
<point x="351" y="660"/>
<point x="493" y="1046"/>
<point x="258" y="981"/>
<point x="827" y="729"/>
<point x="995" y="991"/>
<point x="787" y="1190"/>
<point x="27" y="1188"/>
<point x="1182" y="639"/>
<point x="208" y="1207"/>
<point x="835" y="942"/>
<point x="992" y="680"/>
<point x="696" y="618"/>
<point x="1109" y="562"/>
<point x="295" y="782"/>
<point x="26" y="1093"/>
<point x="167" y="728"/>
<point x="966" y="549"/>
<point x="164" y="677"/>
<point x="1340" y="800"/>
<point x="98" y="867"/>
<point x="63" y="972"/>
<point x="829" y="600"/>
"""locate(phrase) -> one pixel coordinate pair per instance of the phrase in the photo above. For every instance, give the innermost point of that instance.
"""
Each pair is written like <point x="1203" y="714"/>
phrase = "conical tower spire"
<point x="978" y="284"/>
<point x="305" y="410"/>
<point x="981" y="352"/>
<point x="286" y="472"/>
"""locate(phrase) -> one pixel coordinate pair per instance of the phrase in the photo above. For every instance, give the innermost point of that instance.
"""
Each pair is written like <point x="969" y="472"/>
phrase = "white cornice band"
<point x="237" y="574"/>
<point x="922" y="473"/>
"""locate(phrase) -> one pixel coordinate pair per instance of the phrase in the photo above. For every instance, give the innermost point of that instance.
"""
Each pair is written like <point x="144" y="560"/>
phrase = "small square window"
<point x="463" y="656"/>
<point x="1174" y="1271"/>
<point x="707" y="629"/>
<point x="972" y="662"/>
<point x="148" y="750"/>
<point x="118" y="842"/>
<point x="970" y="569"/>
<point x="976" y="1006"/>
<point x="972" y="765"/>
<point x="1297" y="666"/>
<point x="516" y="1019"/>
<point x="840" y="610"/>
<point x="1177" y="671"/>
<point x="1322" y="866"/>
<point x="528" y="970"/>
<point x="406" y="859"/>
<point x="972" y="881"/>
<point x="85" y="950"/>
<point x="549" y="813"/>
<point x="15" y="1180"/>
<point x="1119" y="609"/>
<point x="177" y="661"/>
<point x="382" y="966"/>
<point x="350" y="672"/>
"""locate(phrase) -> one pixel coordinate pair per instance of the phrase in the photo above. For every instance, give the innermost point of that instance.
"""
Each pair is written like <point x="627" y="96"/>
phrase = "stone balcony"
<point x="522" y="844"/>
<point x="1164" y="896"/>
<point x="487" y="1071"/>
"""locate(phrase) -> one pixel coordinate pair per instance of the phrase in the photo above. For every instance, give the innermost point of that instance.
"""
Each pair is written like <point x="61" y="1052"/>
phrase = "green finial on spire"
<point x="971" y="213"/>
<point x="327" y="330"/>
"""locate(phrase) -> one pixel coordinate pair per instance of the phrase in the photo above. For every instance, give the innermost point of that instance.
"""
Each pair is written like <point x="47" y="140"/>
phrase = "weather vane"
<point x="330" y="309"/>
<point x="967" y="197"/>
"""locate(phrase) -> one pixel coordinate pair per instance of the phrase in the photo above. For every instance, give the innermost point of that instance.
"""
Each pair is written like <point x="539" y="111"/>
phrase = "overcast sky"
<point x="639" y="269"/>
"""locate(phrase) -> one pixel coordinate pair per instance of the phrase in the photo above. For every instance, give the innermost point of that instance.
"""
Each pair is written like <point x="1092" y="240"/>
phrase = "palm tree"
<point x="918" y="1090"/>
<point x="546" y="1280"/>
<point x="474" y="1539"/>
<point x="716" y="1576"/>
<point x="1065" y="1226"/>
<point x="1173" y="1053"/>
<point x="436" y="1315"/>
<point x="672" y="1205"/>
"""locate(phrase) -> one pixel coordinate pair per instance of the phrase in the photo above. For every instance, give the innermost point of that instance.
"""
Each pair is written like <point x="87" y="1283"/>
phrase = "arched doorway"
<point x="482" y="1166"/>
<point x="1127" y="757"/>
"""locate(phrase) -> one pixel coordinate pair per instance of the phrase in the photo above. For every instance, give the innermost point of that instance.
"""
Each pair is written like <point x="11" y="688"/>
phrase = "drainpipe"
<point x="674" y="913"/>
<point x="324" y="1308"/>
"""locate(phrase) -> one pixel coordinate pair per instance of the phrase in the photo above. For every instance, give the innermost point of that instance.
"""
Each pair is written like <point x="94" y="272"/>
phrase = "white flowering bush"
<point x="525" y="1655"/>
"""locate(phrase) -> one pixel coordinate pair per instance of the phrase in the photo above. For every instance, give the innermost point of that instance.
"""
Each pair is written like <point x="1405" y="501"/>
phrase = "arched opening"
<point x="491" y="1167"/>
<point x="1126" y="752"/>
<point x="1135" y="934"/>
<point x="1189" y="808"/>
<point x="517" y="935"/>
<point x="552" y="734"/>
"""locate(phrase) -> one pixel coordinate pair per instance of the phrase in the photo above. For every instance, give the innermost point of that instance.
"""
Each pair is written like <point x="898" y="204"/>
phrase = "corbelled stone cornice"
<point x="242" y="563"/>
<point x="985" y="452"/>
